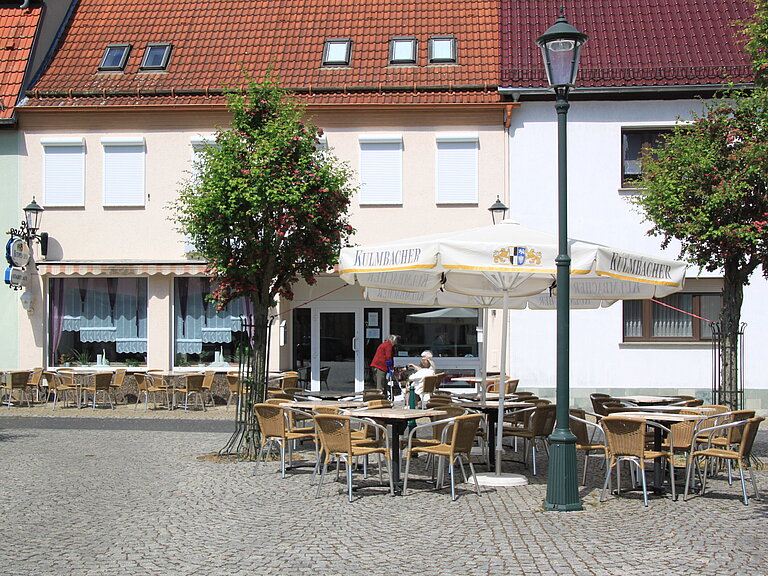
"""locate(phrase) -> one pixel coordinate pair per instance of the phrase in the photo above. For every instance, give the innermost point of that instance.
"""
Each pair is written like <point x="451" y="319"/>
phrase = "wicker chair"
<point x="209" y="376"/>
<point x="324" y="373"/>
<point x="99" y="382"/>
<point x="511" y="387"/>
<point x="740" y="453"/>
<point x="626" y="441"/>
<point x="61" y="383"/>
<point x="192" y="386"/>
<point x="590" y="438"/>
<point x="335" y="434"/>
<point x="379" y="403"/>
<point x="537" y="428"/>
<point x="274" y="424"/>
<point x="233" y="383"/>
<point x="148" y="384"/>
<point x="117" y="381"/>
<point x="374" y="394"/>
<point x="18" y="381"/>
<point x="462" y="439"/>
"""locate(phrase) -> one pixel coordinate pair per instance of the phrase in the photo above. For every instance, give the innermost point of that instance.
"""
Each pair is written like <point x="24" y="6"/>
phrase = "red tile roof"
<point x="631" y="42"/>
<point x="17" y="33"/>
<point x="214" y="40"/>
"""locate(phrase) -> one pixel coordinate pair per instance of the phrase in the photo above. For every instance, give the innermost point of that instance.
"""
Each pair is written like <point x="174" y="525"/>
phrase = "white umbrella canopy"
<point x="444" y="316"/>
<point x="504" y="266"/>
<point x="510" y="259"/>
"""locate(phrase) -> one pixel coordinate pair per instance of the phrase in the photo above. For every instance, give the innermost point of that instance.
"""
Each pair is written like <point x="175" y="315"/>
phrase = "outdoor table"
<point x="644" y="400"/>
<point x="491" y="410"/>
<point x="312" y="404"/>
<point x="664" y="418"/>
<point x="397" y="418"/>
<point x="170" y="379"/>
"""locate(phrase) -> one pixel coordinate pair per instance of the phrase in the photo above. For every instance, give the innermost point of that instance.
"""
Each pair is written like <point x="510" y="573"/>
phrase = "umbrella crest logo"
<point x="517" y="256"/>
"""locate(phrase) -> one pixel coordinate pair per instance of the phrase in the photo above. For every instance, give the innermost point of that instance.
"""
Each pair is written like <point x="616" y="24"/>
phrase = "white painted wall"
<point x="599" y="212"/>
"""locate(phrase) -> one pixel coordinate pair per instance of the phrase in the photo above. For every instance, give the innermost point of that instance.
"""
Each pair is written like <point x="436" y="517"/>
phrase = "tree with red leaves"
<point x="266" y="208"/>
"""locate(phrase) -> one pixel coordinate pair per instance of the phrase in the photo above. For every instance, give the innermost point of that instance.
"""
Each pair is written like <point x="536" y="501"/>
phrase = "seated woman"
<point x="417" y="379"/>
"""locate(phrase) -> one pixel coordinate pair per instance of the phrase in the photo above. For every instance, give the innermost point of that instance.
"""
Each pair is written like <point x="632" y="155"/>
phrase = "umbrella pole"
<point x="484" y="357"/>
<point x="502" y="384"/>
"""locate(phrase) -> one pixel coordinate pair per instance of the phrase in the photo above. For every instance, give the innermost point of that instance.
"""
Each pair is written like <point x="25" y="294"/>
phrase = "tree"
<point x="707" y="186"/>
<point x="755" y="36"/>
<point x="265" y="209"/>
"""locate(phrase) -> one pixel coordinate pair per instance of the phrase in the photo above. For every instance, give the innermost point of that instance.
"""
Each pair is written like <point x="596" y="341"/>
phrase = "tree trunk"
<point x="245" y="440"/>
<point x="730" y="321"/>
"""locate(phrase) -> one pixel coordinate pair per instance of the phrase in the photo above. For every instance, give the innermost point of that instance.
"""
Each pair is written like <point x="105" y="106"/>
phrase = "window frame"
<point x="328" y="44"/>
<point x="630" y="181"/>
<point x="647" y="319"/>
<point x="398" y="40"/>
<point x="123" y="60"/>
<point x="168" y="48"/>
<point x="440" y="60"/>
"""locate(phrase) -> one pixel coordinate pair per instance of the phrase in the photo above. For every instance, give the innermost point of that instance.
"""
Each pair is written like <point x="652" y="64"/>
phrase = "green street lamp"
<point x="561" y="46"/>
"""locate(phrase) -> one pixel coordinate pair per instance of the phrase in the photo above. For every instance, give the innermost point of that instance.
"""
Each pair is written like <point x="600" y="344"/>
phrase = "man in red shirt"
<point x="384" y="353"/>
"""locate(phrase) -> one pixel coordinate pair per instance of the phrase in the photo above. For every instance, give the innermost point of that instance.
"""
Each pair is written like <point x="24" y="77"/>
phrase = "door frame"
<point x="330" y="308"/>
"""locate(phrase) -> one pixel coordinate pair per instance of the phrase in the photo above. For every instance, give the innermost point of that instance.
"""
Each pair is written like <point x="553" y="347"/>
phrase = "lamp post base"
<point x="562" y="480"/>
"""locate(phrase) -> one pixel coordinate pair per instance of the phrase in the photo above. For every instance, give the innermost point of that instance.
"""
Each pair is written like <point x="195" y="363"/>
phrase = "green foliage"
<point x="707" y="185"/>
<point x="755" y="34"/>
<point x="266" y="208"/>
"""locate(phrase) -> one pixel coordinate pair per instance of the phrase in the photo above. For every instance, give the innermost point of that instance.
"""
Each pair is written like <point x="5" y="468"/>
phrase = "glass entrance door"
<point x="337" y="357"/>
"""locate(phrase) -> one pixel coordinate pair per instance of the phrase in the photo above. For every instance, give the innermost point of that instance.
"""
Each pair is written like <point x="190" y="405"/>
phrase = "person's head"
<point x="392" y="339"/>
<point x="424" y="363"/>
<point x="427" y="354"/>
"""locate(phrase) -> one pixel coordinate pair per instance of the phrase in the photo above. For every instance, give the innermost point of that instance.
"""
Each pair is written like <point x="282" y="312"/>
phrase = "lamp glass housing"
<point x="561" y="49"/>
<point x="499" y="209"/>
<point x="32" y="215"/>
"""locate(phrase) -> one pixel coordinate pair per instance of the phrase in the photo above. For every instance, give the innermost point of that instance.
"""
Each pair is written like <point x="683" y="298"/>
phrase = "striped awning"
<point x="121" y="268"/>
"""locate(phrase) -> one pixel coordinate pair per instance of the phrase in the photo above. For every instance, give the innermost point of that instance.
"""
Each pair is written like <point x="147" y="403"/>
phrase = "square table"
<point x="398" y="419"/>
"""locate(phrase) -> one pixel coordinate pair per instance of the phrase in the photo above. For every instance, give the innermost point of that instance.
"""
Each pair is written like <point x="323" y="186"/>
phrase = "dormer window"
<point x="156" y="57"/>
<point x="115" y="56"/>
<point x="442" y="50"/>
<point x="337" y="52"/>
<point x="402" y="50"/>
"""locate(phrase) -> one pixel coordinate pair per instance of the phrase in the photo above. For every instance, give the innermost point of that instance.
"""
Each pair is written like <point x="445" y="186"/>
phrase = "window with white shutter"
<point x="457" y="168"/>
<point x="63" y="171"/>
<point x="124" y="167"/>
<point x="381" y="169"/>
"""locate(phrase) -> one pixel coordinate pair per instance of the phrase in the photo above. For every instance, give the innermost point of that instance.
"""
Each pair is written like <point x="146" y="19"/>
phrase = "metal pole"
<point x="502" y="384"/>
<point x="562" y="481"/>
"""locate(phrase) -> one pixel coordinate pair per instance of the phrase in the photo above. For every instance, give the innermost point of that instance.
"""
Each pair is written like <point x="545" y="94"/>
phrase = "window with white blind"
<point x="381" y="169"/>
<point x="457" y="168"/>
<point x="124" y="167"/>
<point x="63" y="171"/>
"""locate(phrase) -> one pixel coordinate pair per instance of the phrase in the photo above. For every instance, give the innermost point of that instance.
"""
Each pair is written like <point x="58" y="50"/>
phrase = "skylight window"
<point x="337" y="52"/>
<point x="115" y="56"/>
<point x="442" y="50"/>
<point x="402" y="51"/>
<point x="156" y="57"/>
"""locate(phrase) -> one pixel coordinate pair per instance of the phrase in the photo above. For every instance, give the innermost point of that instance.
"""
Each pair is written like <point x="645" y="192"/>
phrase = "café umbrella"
<point x="502" y="266"/>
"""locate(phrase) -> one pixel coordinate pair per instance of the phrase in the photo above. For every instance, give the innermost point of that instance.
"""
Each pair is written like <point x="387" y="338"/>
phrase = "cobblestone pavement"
<point x="86" y="501"/>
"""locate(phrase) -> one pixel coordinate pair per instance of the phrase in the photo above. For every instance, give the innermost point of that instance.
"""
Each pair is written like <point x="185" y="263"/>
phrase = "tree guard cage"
<point x="723" y="370"/>
<point x="252" y="385"/>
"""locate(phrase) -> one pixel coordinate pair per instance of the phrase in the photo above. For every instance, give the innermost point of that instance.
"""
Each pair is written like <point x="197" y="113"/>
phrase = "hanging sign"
<point x="17" y="252"/>
<point x="16" y="277"/>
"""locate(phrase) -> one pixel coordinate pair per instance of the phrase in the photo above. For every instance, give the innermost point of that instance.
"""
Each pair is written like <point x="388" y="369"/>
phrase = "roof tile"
<point x="17" y="34"/>
<point x="632" y="42"/>
<point x="214" y="40"/>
